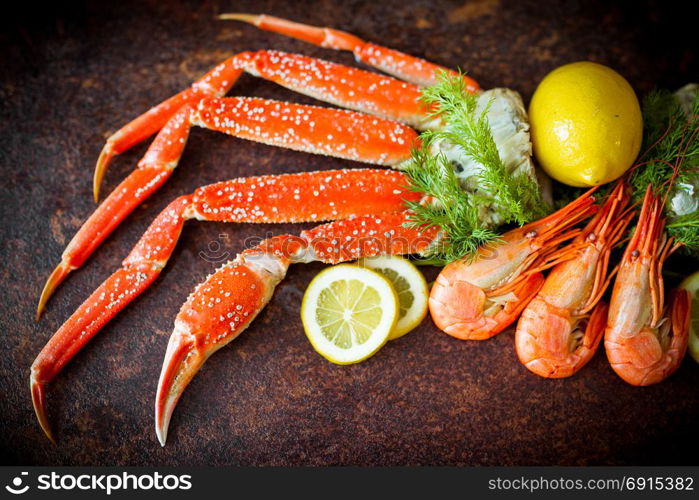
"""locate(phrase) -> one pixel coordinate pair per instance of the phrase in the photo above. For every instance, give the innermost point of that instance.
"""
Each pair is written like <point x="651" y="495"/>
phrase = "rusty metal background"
<point x="72" y="72"/>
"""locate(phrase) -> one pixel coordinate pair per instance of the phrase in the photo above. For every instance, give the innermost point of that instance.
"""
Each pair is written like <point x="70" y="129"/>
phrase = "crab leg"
<point x="325" y="131"/>
<point x="152" y="171"/>
<point x="343" y="86"/>
<point x="393" y="62"/>
<point x="138" y="271"/>
<point x="335" y="194"/>
<point x="332" y="132"/>
<point x="226" y="303"/>
<point x="347" y="87"/>
<point x="216" y="82"/>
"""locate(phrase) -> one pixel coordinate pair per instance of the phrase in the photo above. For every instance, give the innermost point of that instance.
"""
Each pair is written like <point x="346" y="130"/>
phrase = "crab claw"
<point x="103" y="162"/>
<point x="183" y="360"/>
<point x="216" y="313"/>
<point x="39" y="401"/>
<point x="57" y="276"/>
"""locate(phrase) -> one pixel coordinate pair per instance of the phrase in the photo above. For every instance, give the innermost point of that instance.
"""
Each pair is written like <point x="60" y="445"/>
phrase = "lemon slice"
<point x="348" y="313"/>
<point x="410" y="286"/>
<point x="691" y="284"/>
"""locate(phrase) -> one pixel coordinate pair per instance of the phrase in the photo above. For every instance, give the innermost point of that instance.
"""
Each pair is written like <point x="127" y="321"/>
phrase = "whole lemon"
<point x="586" y="124"/>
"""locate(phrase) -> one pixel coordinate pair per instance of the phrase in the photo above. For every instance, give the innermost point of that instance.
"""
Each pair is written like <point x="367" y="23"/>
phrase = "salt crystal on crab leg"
<point x="307" y="196"/>
<point x="403" y="66"/>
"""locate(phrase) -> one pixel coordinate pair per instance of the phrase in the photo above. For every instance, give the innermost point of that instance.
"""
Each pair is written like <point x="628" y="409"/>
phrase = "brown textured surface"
<point x="71" y="76"/>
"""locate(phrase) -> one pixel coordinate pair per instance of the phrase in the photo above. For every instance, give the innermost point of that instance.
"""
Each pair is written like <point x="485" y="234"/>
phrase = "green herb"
<point x="514" y="197"/>
<point x="454" y="210"/>
<point x="685" y="229"/>
<point x="670" y="143"/>
<point x="670" y="159"/>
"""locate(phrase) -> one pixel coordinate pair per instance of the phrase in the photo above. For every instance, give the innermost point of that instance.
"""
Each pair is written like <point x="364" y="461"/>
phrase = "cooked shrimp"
<point x="561" y="328"/>
<point x="645" y="340"/>
<point x="474" y="299"/>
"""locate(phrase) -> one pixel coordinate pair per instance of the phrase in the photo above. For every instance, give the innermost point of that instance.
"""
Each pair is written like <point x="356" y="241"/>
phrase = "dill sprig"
<point x="517" y="197"/>
<point x="670" y="159"/>
<point x="670" y="142"/>
<point x="685" y="229"/>
<point x="453" y="210"/>
<point x="460" y="214"/>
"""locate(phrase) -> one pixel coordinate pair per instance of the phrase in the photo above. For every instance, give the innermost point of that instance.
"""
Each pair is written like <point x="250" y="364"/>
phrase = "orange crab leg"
<point x="347" y="87"/>
<point x="393" y="62"/>
<point x="303" y="197"/>
<point x="350" y="88"/>
<point x="216" y="82"/>
<point x="225" y="304"/>
<point x="333" y="132"/>
<point x="325" y="131"/>
<point x="138" y="271"/>
<point x="152" y="171"/>
<point x="285" y="198"/>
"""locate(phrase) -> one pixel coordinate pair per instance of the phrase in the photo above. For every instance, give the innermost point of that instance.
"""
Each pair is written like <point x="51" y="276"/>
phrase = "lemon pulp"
<point x="410" y="286"/>
<point x="348" y="313"/>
